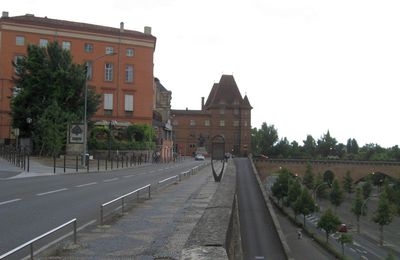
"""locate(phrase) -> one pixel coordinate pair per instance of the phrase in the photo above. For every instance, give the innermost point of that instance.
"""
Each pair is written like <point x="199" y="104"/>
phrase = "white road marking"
<point x="129" y="176"/>
<point x="50" y="192"/>
<point x="108" y="180"/>
<point x="9" y="201"/>
<point x="87" y="184"/>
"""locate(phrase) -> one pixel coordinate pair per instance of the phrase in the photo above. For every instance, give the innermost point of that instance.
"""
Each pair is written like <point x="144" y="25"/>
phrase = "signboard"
<point x="76" y="133"/>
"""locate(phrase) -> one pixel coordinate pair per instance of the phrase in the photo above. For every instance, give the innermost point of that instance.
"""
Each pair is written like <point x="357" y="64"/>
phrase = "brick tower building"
<point x="225" y="113"/>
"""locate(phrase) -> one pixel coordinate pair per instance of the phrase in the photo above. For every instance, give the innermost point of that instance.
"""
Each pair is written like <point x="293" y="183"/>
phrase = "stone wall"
<point x="217" y="234"/>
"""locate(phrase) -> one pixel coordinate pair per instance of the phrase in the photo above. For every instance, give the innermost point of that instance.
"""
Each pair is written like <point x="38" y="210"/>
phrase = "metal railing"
<point x="30" y="243"/>
<point x="122" y="199"/>
<point x="176" y="177"/>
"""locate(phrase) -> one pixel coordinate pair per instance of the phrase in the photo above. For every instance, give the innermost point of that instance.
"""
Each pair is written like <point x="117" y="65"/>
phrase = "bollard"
<point x="54" y="163"/>
<point x="65" y="158"/>
<point x="106" y="163"/>
<point x="76" y="163"/>
<point x="98" y="164"/>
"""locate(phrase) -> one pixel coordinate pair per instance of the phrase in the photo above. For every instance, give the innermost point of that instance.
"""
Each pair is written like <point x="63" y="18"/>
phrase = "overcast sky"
<point x="307" y="66"/>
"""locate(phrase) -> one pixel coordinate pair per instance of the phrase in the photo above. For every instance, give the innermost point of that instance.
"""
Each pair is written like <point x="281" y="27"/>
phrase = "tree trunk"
<point x="358" y="225"/>
<point x="327" y="236"/>
<point x="304" y="221"/>
<point x="381" y="235"/>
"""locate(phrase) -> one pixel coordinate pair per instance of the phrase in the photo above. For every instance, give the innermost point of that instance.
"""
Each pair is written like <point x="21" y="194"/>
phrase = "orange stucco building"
<point x="119" y="62"/>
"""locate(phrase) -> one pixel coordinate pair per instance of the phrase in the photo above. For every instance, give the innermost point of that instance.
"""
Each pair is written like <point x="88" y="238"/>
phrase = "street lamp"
<point x="85" y="110"/>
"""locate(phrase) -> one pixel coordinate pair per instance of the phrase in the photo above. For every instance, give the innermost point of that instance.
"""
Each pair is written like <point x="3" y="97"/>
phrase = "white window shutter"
<point x="128" y="102"/>
<point x="108" y="101"/>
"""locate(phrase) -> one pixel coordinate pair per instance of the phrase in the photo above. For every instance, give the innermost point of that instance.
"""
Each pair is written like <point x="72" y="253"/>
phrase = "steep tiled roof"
<point x="246" y="102"/>
<point x="62" y="24"/>
<point x="225" y="92"/>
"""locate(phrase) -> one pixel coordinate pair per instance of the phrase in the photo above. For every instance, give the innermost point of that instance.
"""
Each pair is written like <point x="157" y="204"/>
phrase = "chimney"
<point x="202" y="103"/>
<point x="4" y="15"/>
<point x="121" y="27"/>
<point x="147" y="30"/>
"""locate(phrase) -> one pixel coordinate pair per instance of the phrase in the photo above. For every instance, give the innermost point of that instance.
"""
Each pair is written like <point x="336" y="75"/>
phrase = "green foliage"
<point x="134" y="137"/>
<point x="308" y="179"/>
<point x="358" y="208"/>
<point x="367" y="187"/>
<point x="305" y="204"/>
<point x="294" y="191"/>
<point x="345" y="238"/>
<point x="336" y="196"/>
<point x="46" y="78"/>
<point x="348" y="183"/>
<point x="52" y="125"/>
<point x="329" y="222"/>
<point x="280" y="187"/>
<point x="384" y="213"/>
<point x="265" y="141"/>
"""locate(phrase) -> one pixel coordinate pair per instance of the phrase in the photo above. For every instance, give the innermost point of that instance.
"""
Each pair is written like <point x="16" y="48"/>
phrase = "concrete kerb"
<point x="277" y="225"/>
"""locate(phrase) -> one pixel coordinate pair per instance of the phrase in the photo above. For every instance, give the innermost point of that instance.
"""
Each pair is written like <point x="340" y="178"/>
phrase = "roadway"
<point x="259" y="237"/>
<point x="32" y="206"/>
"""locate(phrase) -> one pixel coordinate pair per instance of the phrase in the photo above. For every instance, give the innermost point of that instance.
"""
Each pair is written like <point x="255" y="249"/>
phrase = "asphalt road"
<point x="30" y="207"/>
<point x="259" y="237"/>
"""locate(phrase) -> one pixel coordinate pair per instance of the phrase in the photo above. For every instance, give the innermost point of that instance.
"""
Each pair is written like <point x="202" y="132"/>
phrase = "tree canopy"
<point x="47" y="78"/>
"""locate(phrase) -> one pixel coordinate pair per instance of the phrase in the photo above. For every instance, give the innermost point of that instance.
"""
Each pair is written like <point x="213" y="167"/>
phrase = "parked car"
<point x="342" y="228"/>
<point x="199" y="157"/>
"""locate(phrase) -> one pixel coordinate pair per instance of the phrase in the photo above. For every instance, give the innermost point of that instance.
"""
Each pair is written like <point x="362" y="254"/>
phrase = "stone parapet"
<point x="216" y="235"/>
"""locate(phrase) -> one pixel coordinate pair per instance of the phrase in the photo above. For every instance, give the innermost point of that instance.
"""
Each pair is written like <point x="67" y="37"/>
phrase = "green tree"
<point x="345" y="239"/>
<point x="45" y="78"/>
<point x="326" y="145"/>
<point x="329" y="222"/>
<point x="281" y="185"/>
<point x="348" y="183"/>
<point x="352" y="148"/>
<point x="52" y="124"/>
<point x="267" y="137"/>
<point x="305" y="204"/>
<point x="384" y="214"/>
<point x="309" y="147"/>
<point x="358" y="207"/>
<point x="320" y="187"/>
<point x="308" y="179"/>
<point x="367" y="187"/>
<point x="294" y="191"/>
<point x="336" y="196"/>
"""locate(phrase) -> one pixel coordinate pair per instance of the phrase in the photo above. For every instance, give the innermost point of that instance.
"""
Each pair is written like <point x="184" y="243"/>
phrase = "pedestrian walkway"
<point x="154" y="229"/>
<point x="44" y="167"/>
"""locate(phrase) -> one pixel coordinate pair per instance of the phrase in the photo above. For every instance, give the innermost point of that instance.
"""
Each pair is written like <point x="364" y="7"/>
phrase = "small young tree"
<point x="348" y="183"/>
<point x="328" y="177"/>
<point x="280" y="187"/>
<point x="305" y="204"/>
<point x="359" y="208"/>
<point x="329" y="222"/>
<point x="308" y="179"/>
<point x="336" y="196"/>
<point x="345" y="239"/>
<point x="367" y="187"/>
<point x="384" y="214"/>
<point x="294" y="191"/>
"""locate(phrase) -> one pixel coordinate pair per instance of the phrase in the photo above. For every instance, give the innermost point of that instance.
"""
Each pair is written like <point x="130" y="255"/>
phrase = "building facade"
<point x="119" y="63"/>
<point x="162" y="124"/>
<point x="224" y="113"/>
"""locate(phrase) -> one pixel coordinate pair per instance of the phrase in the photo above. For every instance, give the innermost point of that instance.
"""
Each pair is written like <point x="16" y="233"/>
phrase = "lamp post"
<point x="85" y="110"/>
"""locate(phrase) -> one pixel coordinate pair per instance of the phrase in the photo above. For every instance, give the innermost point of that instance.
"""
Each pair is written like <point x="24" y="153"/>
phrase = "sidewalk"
<point x="45" y="167"/>
<point x="154" y="229"/>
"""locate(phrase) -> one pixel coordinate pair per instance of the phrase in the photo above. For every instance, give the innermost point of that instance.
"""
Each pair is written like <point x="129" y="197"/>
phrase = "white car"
<point x="199" y="157"/>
